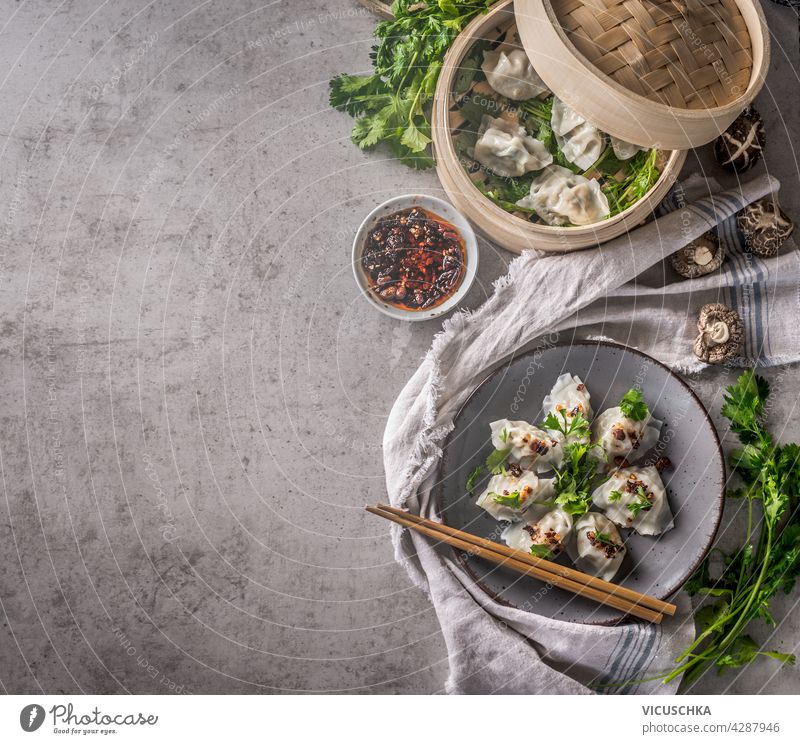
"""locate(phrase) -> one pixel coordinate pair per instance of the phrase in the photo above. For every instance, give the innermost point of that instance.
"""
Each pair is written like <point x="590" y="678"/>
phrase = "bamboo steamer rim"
<point x="512" y="232"/>
<point x="588" y="90"/>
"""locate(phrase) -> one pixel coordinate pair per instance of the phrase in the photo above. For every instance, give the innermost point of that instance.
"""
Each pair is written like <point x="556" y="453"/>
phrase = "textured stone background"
<point x="193" y="393"/>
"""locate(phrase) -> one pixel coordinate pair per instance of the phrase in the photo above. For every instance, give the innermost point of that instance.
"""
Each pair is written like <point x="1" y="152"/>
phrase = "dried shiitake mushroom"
<point x="739" y="147"/>
<point x="700" y="257"/>
<point x="721" y="333"/>
<point x="765" y="226"/>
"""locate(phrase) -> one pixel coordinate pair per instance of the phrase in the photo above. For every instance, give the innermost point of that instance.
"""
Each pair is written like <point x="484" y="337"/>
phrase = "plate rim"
<point x="719" y="503"/>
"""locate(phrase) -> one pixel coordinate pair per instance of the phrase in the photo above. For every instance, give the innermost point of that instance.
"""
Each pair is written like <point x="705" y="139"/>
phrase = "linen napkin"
<point x="493" y="648"/>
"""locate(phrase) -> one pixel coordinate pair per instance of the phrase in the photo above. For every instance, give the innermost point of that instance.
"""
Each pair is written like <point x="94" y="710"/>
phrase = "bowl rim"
<point x="664" y="593"/>
<point x="437" y="205"/>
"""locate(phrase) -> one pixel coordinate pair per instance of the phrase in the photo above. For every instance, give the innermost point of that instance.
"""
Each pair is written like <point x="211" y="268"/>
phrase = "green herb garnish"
<point x="576" y="427"/>
<point x="615" y="496"/>
<point x="633" y="405"/>
<point x="504" y="436"/>
<point x="390" y="105"/>
<point x="760" y="568"/>
<point x="641" y="174"/>
<point x="541" y="551"/>
<point x="473" y="477"/>
<point x="604" y="539"/>
<point x="642" y="503"/>
<point x="513" y="499"/>
<point x="573" y="481"/>
<point x="495" y="463"/>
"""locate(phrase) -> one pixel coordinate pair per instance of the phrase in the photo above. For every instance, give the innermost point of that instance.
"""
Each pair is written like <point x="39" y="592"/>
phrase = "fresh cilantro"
<point x="472" y="479"/>
<point x="573" y="480"/>
<point x="767" y="561"/>
<point x="513" y="499"/>
<point x="495" y="463"/>
<point x="642" y="503"/>
<point x="572" y="427"/>
<point x="391" y="104"/>
<point x="633" y="405"/>
<point x="504" y="436"/>
<point x="615" y="496"/>
<point x="541" y="551"/>
<point x="604" y="539"/>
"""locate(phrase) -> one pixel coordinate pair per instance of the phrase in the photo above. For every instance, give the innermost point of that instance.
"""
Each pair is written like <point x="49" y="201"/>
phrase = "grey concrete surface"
<point x="193" y="392"/>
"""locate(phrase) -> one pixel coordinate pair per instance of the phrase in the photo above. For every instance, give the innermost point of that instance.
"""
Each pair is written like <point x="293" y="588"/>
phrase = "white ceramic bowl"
<point x="448" y="213"/>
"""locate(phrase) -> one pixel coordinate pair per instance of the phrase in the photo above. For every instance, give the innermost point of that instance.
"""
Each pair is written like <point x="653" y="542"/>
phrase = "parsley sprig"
<point x="642" y="503"/>
<point x="391" y="104"/>
<point x="761" y="567"/>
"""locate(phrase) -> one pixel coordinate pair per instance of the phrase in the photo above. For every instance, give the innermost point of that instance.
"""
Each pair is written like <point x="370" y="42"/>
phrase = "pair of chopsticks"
<point x="630" y="602"/>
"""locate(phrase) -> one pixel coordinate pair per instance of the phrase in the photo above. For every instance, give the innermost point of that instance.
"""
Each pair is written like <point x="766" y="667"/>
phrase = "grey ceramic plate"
<point x="695" y="482"/>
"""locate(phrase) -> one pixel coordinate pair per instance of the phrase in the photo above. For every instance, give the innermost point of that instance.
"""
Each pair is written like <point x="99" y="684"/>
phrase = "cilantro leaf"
<point x="513" y="499"/>
<point x="633" y="405"/>
<point x="495" y="463"/>
<point x="541" y="551"/>
<point x="615" y="496"/>
<point x="473" y="477"/>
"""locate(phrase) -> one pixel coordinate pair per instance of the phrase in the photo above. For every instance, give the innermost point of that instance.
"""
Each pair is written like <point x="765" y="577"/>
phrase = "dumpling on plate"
<point x="510" y="73"/>
<point x="623" y="437"/>
<point x="561" y="197"/>
<point x="635" y="498"/>
<point x="508" y="150"/>
<point x="598" y="549"/>
<point x="569" y="394"/>
<point x="508" y="496"/>
<point x="550" y="528"/>
<point x="531" y="447"/>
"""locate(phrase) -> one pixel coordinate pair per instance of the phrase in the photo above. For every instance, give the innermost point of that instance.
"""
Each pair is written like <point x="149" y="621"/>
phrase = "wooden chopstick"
<point x="561" y="576"/>
<point x="644" y="600"/>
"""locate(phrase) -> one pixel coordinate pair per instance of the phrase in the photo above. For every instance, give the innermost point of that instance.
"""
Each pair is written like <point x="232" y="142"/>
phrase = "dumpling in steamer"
<point x="561" y="197"/>
<point x="624" y="438"/>
<point x="531" y="447"/>
<point x="635" y="498"/>
<point x="508" y="150"/>
<point x="582" y="146"/>
<point x="542" y="526"/>
<point x="624" y="150"/>
<point x="598" y="549"/>
<point x="510" y="73"/>
<point x="507" y="497"/>
<point x="580" y="141"/>
<point x="571" y="395"/>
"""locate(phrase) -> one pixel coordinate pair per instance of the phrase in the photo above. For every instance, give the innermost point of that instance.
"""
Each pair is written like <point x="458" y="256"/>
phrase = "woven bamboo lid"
<point x="667" y="73"/>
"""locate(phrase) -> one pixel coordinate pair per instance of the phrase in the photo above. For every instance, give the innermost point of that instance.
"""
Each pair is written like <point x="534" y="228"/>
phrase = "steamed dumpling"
<point x="598" y="549"/>
<point x="511" y="74"/>
<point x="635" y="498"/>
<point x="507" y="497"/>
<point x="542" y="526"/>
<point x="508" y="150"/>
<point x="582" y="146"/>
<point x="530" y="446"/>
<point x="624" y="437"/>
<point x="624" y="150"/>
<point x="563" y="119"/>
<point x="562" y="197"/>
<point x="579" y="141"/>
<point x="571" y="395"/>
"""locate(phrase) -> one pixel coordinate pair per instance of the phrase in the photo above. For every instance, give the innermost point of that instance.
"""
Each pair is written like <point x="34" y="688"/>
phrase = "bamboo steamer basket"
<point x="557" y="36"/>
